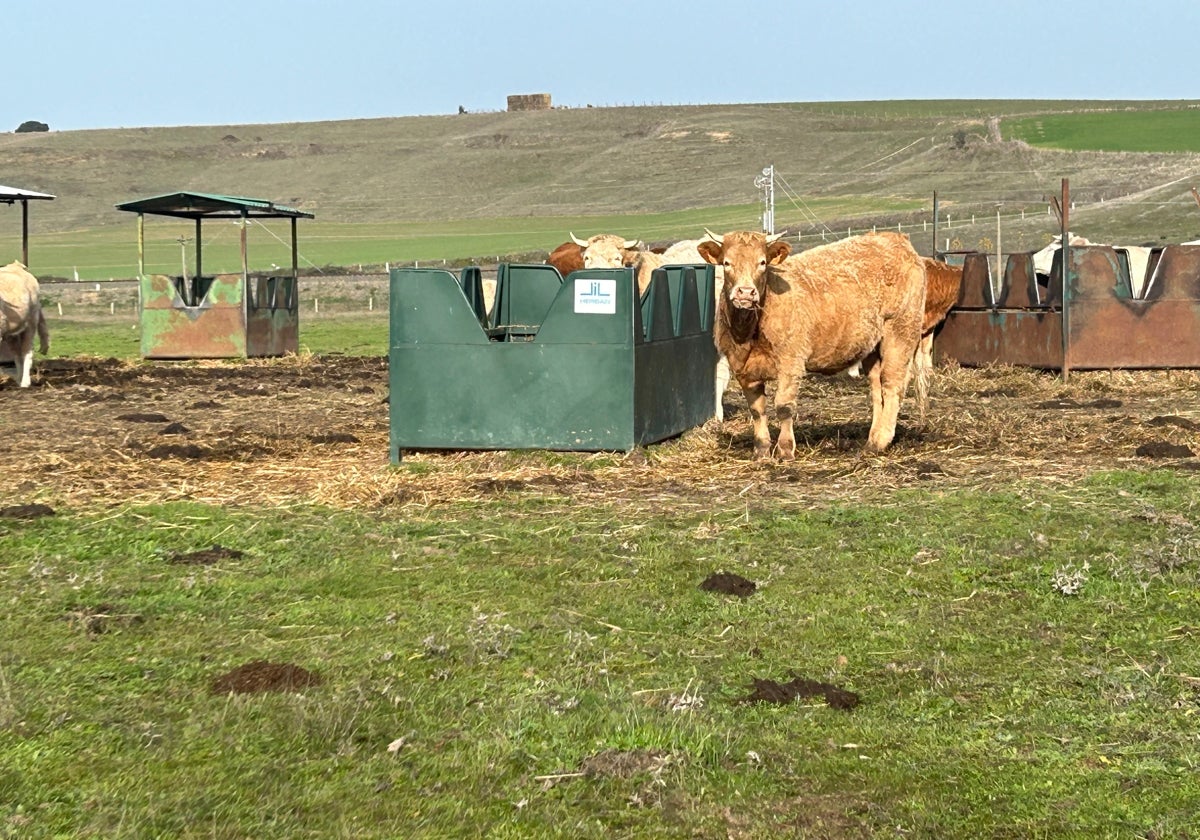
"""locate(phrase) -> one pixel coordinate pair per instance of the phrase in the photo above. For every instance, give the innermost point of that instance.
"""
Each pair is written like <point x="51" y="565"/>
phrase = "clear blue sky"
<point x="78" y="64"/>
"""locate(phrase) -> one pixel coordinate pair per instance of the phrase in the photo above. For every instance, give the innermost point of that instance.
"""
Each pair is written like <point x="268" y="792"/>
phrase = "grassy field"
<point x="1132" y="131"/>
<point x="111" y="252"/>
<point x="524" y="667"/>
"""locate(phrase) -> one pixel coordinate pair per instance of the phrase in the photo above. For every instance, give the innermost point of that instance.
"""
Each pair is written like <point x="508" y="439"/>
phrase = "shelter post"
<point x="295" y="254"/>
<point x="199" y="250"/>
<point x="25" y="233"/>
<point x="933" y="251"/>
<point x="245" y="260"/>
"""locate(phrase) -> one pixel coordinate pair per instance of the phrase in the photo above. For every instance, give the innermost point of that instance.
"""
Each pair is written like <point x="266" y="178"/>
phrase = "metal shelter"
<point x="11" y="195"/>
<point x="217" y="316"/>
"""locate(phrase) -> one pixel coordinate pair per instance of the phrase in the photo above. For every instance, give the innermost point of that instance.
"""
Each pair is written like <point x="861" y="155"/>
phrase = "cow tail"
<point x="43" y="332"/>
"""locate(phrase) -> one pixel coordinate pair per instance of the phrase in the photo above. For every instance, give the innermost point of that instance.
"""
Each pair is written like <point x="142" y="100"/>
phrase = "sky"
<point x="84" y="64"/>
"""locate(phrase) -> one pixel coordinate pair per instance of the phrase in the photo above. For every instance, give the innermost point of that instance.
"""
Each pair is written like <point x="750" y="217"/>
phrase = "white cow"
<point x="20" y="317"/>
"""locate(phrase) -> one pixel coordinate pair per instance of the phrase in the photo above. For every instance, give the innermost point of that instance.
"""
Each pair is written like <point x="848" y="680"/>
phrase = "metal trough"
<point x="1093" y="321"/>
<point x="574" y="365"/>
<point x="216" y="316"/>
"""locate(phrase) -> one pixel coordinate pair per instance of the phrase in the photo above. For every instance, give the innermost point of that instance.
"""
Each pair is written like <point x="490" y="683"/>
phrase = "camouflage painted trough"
<point x="216" y="316"/>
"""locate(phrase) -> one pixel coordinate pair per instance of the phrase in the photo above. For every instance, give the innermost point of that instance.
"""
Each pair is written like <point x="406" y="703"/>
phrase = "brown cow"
<point x="942" y="284"/>
<point x="780" y="317"/>
<point x="567" y="257"/>
<point x="20" y="317"/>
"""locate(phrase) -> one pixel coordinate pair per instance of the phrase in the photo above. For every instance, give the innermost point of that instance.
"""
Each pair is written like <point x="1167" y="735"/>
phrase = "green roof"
<point x="193" y="205"/>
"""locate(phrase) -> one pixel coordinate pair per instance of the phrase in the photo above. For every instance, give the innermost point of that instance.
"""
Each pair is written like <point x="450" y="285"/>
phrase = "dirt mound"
<point x="729" y="584"/>
<point x="205" y="557"/>
<point x="259" y="676"/>
<point x="769" y="691"/>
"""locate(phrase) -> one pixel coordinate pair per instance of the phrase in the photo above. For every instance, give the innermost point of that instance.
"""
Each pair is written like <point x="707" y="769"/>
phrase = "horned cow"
<point x="20" y="317"/>
<point x="780" y="317"/>
<point x="567" y="257"/>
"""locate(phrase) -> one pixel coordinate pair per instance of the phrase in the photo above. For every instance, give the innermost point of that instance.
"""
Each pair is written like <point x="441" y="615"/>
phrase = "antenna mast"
<point x="766" y="183"/>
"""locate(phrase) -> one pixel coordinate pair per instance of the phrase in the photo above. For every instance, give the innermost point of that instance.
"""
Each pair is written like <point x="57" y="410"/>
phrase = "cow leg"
<point x="722" y="384"/>
<point x="756" y="398"/>
<point x="889" y="378"/>
<point x="923" y="364"/>
<point x="24" y="357"/>
<point x="785" y="411"/>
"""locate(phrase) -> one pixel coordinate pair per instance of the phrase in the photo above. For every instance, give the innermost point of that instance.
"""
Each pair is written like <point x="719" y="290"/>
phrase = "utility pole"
<point x="183" y="240"/>
<point x="766" y="183"/>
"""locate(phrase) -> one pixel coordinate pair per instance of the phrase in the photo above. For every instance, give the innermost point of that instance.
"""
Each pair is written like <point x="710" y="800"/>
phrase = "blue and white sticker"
<point x="595" y="296"/>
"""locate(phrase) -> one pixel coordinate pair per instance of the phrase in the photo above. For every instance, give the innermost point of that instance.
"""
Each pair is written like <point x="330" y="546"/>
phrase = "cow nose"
<point x="745" y="294"/>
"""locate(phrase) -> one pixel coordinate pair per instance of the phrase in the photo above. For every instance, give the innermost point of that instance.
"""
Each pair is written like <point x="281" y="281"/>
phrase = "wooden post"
<point x="1065" y="251"/>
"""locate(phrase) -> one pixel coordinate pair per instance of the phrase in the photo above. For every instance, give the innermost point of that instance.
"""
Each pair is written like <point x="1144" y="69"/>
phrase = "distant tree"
<point x="32" y="125"/>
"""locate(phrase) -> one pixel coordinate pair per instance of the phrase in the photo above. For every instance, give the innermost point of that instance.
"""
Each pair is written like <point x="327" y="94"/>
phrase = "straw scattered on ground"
<point x="104" y="432"/>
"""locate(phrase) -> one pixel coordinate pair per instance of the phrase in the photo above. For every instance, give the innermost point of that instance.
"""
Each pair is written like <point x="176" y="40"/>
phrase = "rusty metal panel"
<point x="1028" y="338"/>
<point x="272" y="317"/>
<point x="192" y="318"/>
<point x="1020" y="283"/>
<point x="1109" y="329"/>
<point x="976" y="290"/>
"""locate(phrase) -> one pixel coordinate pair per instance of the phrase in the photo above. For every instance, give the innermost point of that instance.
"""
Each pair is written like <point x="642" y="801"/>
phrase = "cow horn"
<point x="775" y="237"/>
<point x="580" y="242"/>
<point x="715" y="237"/>
<point x="631" y="244"/>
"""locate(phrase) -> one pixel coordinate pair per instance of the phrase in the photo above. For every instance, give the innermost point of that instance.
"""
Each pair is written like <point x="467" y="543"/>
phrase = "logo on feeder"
<point x="595" y="296"/>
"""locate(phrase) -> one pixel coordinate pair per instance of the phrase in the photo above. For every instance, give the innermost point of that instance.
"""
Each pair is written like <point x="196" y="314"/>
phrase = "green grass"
<point x="502" y="647"/>
<point x="353" y="334"/>
<point x="110" y="252"/>
<point x="1117" y="131"/>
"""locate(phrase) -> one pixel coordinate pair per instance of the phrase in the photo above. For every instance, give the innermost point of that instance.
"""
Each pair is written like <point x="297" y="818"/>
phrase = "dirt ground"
<point x="102" y="432"/>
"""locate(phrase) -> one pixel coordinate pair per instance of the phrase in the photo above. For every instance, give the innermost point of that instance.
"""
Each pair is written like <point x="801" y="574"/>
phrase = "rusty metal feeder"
<point x="1086" y="315"/>
<point x="223" y="315"/>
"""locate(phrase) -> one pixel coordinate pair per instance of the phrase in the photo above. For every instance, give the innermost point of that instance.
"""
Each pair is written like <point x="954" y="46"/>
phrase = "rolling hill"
<point x="667" y="170"/>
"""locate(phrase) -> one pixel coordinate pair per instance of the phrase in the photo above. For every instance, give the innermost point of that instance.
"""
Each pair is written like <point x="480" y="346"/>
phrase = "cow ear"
<point x="777" y="252"/>
<point x="710" y="251"/>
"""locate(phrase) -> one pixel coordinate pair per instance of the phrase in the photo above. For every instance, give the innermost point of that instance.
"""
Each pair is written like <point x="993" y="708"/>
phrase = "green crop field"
<point x="1115" y="131"/>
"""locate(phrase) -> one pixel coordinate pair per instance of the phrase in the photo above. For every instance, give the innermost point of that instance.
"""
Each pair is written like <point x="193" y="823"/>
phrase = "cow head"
<point x="744" y="255"/>
<point x="607" y="250"/>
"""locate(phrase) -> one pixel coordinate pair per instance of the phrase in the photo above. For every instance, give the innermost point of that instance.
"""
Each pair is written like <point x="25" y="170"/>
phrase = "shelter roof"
<point x="11" y="194"/>
<point x="194" y="205"/>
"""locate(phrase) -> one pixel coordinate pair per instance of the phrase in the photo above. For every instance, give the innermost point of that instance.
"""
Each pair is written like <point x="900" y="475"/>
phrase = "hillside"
<point x="840" y="165"/>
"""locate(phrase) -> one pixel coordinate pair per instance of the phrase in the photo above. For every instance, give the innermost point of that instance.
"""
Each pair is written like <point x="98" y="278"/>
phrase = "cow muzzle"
<point x="743" y="297"/>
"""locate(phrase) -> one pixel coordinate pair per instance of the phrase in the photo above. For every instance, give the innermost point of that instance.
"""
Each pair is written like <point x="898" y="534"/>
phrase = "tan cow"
<point x="781" y="317"/>
<point x="20" y="317"/>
